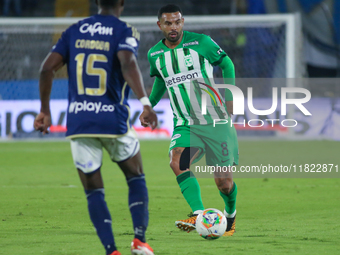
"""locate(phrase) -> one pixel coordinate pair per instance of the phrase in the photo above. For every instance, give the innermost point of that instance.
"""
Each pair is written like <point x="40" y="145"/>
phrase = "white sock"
<point x="198" y="211"/>
<point x="227" y="215"/>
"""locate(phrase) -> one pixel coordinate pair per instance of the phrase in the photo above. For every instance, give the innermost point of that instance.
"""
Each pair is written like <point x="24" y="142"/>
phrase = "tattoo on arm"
<point x="177" y="151"/>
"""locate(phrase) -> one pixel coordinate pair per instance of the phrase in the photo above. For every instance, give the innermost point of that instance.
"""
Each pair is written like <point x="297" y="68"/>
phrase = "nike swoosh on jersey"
<point x="163" y="67"/>
<point x="224" y="160"/>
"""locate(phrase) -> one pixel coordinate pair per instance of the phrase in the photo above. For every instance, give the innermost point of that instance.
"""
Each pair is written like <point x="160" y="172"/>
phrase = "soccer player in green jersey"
<point x="180" y="59"/>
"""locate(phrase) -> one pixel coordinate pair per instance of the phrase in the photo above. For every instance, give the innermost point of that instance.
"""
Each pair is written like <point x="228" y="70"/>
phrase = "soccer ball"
<point x="211" y="224"/>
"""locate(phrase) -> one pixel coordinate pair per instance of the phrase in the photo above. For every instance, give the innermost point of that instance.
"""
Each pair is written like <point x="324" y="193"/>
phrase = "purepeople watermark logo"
<point x="239" y="102"/>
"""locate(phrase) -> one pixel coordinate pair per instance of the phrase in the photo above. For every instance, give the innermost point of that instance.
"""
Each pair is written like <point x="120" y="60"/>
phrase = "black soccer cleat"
<point x="230" y="227"/>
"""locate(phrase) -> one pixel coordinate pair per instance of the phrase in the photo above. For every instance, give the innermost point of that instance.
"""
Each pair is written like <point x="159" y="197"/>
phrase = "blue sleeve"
<point x="128" y="40"/>
<point x="63" y="45"/>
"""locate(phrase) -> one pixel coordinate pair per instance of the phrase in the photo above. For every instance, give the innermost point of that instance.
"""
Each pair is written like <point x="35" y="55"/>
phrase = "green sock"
<point x="230" y="200"/>
<point x="190" y="190"/>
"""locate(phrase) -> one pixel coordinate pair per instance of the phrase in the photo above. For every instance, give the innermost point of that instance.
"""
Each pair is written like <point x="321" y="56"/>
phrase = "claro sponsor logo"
<point x="95" y="28"/>
<point x="85" y="106"/>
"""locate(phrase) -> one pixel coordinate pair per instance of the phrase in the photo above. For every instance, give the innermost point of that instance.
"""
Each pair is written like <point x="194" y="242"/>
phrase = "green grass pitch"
<point x="43" y="208"/>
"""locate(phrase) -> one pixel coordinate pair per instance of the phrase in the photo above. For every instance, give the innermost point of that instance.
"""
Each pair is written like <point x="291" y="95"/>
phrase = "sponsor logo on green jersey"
<point x="180" y="78"/>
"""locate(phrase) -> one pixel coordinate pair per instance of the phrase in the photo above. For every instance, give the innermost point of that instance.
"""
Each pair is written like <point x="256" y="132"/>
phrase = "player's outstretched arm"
<point x="133" y="77"/>
<point x="50" y="65"/>
<point x="157" y="92"/>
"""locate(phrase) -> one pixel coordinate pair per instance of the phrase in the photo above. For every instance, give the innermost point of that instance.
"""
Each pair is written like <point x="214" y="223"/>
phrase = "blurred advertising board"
<point x="16" y="120"/>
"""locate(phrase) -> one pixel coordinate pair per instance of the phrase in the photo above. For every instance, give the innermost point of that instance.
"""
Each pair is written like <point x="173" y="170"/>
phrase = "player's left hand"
<point x="148" y="117"/>
<point x="42" y="122"/>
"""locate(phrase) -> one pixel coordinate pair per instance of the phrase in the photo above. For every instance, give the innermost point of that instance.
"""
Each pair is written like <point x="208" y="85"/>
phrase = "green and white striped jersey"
<point x="187" y="72"/>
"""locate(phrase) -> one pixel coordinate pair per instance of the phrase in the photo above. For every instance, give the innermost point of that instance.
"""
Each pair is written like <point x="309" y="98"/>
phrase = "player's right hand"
<point x="42" y="122"/>
<point x="148" y="117"/>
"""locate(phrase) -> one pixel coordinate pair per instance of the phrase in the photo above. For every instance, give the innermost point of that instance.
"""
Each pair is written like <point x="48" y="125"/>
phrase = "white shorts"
<point x="87" y="152"/>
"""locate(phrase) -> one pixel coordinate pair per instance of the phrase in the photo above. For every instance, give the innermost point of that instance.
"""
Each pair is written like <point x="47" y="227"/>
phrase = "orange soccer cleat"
<point x="116" y="253"/>
<point x="187" y="225"/>
<point x="140" y="248"/>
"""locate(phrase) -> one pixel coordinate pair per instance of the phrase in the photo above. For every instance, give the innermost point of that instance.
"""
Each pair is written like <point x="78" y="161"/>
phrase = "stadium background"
<point x="257" y="50"/>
